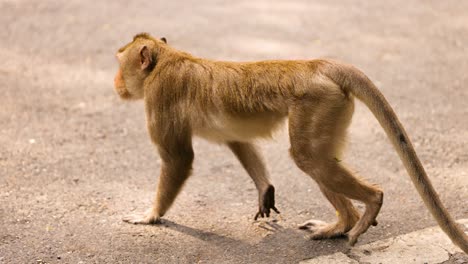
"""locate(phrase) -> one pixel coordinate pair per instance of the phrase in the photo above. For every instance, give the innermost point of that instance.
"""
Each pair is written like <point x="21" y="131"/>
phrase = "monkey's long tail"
<point x="353" y="80"/>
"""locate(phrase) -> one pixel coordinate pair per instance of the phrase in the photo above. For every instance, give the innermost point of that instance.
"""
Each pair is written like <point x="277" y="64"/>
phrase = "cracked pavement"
<point x="429" y="245"/>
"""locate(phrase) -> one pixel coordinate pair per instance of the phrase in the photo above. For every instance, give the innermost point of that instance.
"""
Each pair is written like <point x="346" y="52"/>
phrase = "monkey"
<point x="235" y="103"/>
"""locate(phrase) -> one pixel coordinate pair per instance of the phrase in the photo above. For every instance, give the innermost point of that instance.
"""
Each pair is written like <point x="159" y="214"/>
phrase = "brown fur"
<point x="235" y="103"/>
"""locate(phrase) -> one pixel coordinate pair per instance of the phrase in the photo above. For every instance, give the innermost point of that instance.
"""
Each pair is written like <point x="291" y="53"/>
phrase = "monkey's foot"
<point x="266" y="203"/>
<point x="367" y="219"/>
<point x="148" y="218"/>
<point x="323" y="230"/>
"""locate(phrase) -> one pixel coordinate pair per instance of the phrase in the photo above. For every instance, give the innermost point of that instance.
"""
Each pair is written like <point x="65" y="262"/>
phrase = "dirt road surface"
<point x="74" y="159"/>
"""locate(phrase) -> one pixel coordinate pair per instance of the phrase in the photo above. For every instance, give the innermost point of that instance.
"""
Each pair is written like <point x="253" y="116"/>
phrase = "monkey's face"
<point x="136" y="62"/>
<point x="120" y="87"/>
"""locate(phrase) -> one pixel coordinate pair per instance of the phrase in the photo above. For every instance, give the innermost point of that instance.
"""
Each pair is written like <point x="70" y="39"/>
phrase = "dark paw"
<point x="266" y="203"/>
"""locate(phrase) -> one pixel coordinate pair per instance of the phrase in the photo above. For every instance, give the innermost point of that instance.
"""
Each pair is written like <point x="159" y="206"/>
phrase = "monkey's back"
<point x="250" y="100"/>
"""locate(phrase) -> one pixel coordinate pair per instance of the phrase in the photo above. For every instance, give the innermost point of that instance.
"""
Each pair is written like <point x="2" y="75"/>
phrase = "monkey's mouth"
<point x="122" y="92"/>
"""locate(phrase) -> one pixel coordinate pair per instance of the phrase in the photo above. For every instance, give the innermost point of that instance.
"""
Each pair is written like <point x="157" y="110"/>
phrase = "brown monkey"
<point x="235" y="103"/>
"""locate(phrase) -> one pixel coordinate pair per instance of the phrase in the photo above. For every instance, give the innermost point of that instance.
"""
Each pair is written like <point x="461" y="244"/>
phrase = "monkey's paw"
<point x="266" y="203"/>
<point x="323" y="230"/>
<point x="148" y="218"/>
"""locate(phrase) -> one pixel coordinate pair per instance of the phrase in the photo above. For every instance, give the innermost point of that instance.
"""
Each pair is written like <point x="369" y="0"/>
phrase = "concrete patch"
<point x="331" y="259"/>
<point x="428" y="245"/>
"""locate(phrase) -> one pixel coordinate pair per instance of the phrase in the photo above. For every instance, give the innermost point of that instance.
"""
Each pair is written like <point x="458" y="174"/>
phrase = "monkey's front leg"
<point x="177" y="159"/>
<point x="253" y="164"/>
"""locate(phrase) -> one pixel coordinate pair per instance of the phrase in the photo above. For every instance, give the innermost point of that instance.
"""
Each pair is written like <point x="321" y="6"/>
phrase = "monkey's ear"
<point x="164" y="40"/>
<point x="145" y="57"/>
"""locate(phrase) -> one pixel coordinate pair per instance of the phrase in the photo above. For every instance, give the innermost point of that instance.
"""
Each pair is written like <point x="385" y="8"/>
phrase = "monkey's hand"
<point x="266" y="202"/>
<point x="150" y="217"/>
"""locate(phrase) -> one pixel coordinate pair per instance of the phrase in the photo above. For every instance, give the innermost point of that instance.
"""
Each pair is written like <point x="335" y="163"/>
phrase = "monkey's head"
<point x="136" y="60"/>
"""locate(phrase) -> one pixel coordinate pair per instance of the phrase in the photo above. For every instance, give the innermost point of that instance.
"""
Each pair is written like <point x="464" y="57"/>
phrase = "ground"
<point x="74" y="158"/>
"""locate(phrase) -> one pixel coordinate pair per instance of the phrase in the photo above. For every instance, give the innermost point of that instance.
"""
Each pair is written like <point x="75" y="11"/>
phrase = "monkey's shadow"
<point x="282" y="245"/>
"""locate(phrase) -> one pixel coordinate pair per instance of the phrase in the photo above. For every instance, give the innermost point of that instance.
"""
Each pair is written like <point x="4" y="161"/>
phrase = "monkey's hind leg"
<point x="346" y="213"/>
<point x="316" y="130"/>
